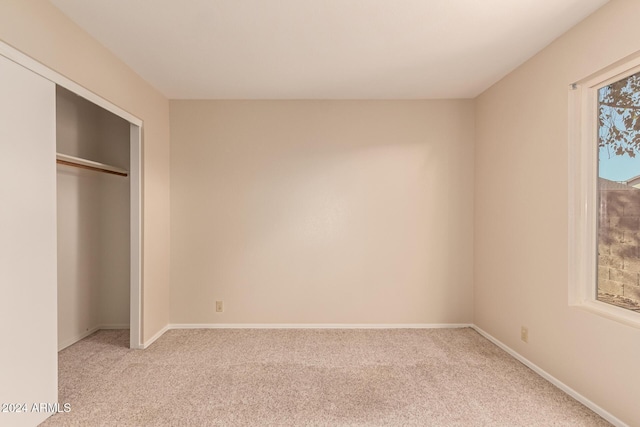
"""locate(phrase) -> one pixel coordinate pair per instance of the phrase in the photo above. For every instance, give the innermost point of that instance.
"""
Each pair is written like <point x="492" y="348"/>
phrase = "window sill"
<point x="611" y="312"/>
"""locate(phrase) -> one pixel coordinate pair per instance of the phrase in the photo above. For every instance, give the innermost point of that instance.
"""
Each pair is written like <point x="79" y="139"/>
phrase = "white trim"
<point x="68" y="342"/>
<point x="303" y="326"/>
<point x="583" y="182"/>
<point x="616" y="71"/>
<point x="319" y="325"/>
<point x="582" y="194"/>
<point x="112" y="326"/>
<point x="155" y="337"/>
<point x="611" y="312"/>
<point x="553" y="380"/>
<point x="37" y="67"/>
<point x="135" y="235"/>
<point x="576" y="208"/>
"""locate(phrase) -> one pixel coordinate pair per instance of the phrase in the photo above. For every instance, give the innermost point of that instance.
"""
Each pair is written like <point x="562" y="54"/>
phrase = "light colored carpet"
<point x="258" y="377"/>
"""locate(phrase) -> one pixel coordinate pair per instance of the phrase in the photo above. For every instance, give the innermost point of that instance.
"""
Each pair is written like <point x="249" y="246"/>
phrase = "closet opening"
<point x="98" y="220"/>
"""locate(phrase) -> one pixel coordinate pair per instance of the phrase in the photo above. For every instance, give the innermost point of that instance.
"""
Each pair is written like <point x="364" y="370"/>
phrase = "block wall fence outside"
<point x="619" y="242"/>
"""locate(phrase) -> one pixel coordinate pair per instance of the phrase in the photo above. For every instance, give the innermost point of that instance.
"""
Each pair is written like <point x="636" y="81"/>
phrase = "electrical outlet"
<point x="218" y="306"/>
<point x="524" y="334"/>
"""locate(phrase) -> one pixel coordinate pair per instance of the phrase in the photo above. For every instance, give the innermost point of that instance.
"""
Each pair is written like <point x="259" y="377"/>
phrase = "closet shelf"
<point x="77" y="162"/>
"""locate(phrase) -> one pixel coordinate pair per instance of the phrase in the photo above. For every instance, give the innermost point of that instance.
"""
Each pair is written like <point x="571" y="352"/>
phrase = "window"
<point x="618" y="236"/>
<point x="604" y="179"/>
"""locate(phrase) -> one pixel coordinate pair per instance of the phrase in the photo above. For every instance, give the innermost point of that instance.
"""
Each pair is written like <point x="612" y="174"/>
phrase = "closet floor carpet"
<point x="304" y="377"/>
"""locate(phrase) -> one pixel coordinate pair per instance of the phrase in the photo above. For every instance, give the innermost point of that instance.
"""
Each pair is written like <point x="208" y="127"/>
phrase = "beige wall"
<point x="322" y="211"/>
<point x="521" y="219"/>
<point x="41" y="31"/>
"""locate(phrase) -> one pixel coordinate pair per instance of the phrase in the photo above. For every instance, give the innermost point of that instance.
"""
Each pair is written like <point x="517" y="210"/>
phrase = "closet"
<point x="93" y="208"/>
<point x="70" y="225"/>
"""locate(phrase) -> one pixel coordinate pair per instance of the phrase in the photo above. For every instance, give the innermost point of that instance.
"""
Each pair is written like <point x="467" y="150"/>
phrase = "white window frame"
<point x="583" y="178"/>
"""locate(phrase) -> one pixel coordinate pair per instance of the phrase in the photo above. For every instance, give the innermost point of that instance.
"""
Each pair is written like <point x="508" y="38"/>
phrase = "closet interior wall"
<point x="93" y="222"/>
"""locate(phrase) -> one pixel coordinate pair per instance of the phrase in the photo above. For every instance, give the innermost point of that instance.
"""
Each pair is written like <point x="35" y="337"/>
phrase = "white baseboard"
<point x="302" y="326"/>
<point x="318" y="325"/>
<point x="155" y="337"/>
<point x="85" y="334"/>
<point x="114" y="326"/>
<point x="553" y="380"/>
<point x="66" y="343"/>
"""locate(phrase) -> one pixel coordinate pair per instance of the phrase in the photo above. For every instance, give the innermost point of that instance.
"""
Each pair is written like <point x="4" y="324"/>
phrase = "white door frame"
<point x="135" y="174"/>
<point x="135" y="217"/>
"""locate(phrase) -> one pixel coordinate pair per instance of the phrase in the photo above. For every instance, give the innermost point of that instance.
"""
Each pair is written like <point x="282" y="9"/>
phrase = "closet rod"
<point x="77" y="162"/>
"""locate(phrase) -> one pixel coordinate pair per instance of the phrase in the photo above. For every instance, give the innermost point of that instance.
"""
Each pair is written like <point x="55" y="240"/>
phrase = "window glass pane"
<point x="619" y="193"/>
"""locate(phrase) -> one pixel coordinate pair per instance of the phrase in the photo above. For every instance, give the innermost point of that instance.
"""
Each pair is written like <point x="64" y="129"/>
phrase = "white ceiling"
<point x="325" y="49"/>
